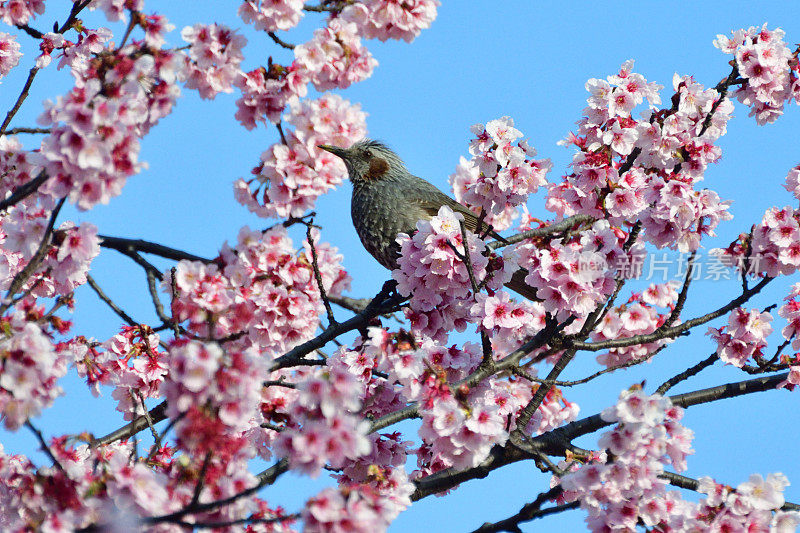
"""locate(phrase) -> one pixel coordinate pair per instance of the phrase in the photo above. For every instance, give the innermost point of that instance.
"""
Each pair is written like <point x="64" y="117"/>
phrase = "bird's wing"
<point x="470" y="220"/>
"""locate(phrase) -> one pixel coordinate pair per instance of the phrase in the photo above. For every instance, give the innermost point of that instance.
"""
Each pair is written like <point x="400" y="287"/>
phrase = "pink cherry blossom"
<point x="391" y="19"/>
<point x="271" y="15"/>
<point x="15" y="12"/>
<point x="292" y="176"/>
<point x="9" y="53"/>
<point x="212" y="63"/>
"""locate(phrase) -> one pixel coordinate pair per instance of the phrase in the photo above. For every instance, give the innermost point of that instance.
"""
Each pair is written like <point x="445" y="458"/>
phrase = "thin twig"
<point x="126" y="246"/>
<point x="686" y="374"/>
<point x="280" y="41"/>
<point x="109" y="302"/>
<point x="558" y="227"/>
<point x="318" y="276"/>
<point x="45" y="448"/>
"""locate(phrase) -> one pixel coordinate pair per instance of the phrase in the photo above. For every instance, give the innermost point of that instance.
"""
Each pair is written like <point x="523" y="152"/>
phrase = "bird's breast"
<point x="379" y="214"/>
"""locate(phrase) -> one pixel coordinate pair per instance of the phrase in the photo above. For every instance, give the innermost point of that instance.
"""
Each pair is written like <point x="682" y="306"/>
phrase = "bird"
<point x="387" y="200"/>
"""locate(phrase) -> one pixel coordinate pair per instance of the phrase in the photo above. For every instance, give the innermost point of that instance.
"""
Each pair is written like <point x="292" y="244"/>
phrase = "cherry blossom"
<point x="501" y="173"/>
<point x="31" y="367"/>
<point x="431" y="271"/>
<point x="9" y="53"/>
<point x="212" y="63"/>
<point x="294" y="174"/>
<point x="744" y="337"/>
<point x="762" y="58"/>
<point x="334" y="57"/>
<point x="15" y="12"/>
<point x="271" y="15"/>
<point x="391" y="19"/>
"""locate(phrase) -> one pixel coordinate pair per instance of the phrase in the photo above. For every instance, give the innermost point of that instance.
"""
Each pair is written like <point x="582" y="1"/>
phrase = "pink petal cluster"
<point x="293" y="175"/>
<point x="744" y="337"/>
<point x="9" y="53"/>
<point x="771" y="249"/>
<point x="212" y="61"/>
<point x="110" y="487"/>
<point x="391" y="19"/>
<point x="355" y="508"/>
<point x="638" y="316"/>
<point x="671" y="156"/>
<point x="621" y="493"/>
<point x="327" y="427"/>
<point x="763" y="59"/>
<point x="501" y="173"/>
<point x="213" y="394"/>
<point x="64" y="267"/>
<point x="508" y="322"/>
<point x="115" y="9"/>
<point x="136" y="367"/>
<point x="94" y="142"/>
<point x="334" y="57"/>
<point x="260" y="290"/>
<point x="431" y="272"/>
<point x="573" y="277"/>
<point x="679" y="216"/>
<point x="752" y="506"/>
<point x="791" y="312"/>
<point x="271" y="15"/>
<point x="265" y="93"/>
<point x="30" y="368"/>
<point x="15" y="12"/>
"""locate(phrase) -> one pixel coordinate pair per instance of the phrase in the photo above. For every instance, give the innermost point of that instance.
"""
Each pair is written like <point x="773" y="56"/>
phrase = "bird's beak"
<point x="339" y="152"/>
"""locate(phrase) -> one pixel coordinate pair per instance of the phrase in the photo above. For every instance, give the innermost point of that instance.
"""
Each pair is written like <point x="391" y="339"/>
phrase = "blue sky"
<point x="480" y="60"/>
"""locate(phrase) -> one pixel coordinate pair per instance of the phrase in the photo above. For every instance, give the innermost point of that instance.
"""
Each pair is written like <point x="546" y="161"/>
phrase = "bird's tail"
<point x="518" y="285"/>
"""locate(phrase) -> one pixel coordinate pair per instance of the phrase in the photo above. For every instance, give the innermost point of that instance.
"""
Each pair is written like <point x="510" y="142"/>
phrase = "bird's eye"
<point x="365" y="154"/>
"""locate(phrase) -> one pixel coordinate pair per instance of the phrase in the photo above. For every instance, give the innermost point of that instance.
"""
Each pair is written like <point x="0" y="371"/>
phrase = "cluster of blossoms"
<point x="771" y="249"/>
<point x="23" y="226"/>
<point x="431" y="270"/>
<point x="627" y="491"/>
<point x="791" y="312"/>
<point x="773" y="246"/>
<point x="501" y="173"/>
<point x="116" y="9"/>
<point x="356" y="508"/>
<point x="770" y="68"/>
<point x="9" y="53"/>
<point x="109" y="487"/>
<point x="261" y="288"/>
<point x="119" y="94"/>
<point x="391" y="19"/>
<point x="744" y="337"/>
<point x="334" y="57"/>
<point x="672" y="157"/>
<point x="131" y="361"/>
<point x="211" y="65"/>
<point x="30" y="366"/>
<point x="271" y="15"/>
<point x="64" y="267"/>
<point x="294" y="174"/>
<point x="326" y="426"/>
<point x="16" y="12"/>
<point x="618" y="494"/>
<point x="573" y="277"/>
<point x="213" y="394"/>
<point x="508" y="322"/>
<point x="637" y="316"/>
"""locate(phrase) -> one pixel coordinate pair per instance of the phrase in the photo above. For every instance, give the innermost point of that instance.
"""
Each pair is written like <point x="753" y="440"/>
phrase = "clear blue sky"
<point x="479" y="61"/>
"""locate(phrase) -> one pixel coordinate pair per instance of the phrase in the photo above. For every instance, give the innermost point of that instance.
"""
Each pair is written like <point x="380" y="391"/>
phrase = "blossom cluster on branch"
<point x="239" y="363"/>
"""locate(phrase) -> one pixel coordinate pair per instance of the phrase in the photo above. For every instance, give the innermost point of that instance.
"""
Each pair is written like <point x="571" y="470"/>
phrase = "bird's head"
<point x="368" y="160"/>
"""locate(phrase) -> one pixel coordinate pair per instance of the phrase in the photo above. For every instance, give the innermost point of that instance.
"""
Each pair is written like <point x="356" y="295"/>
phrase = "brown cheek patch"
<point x="377" y="168"/>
